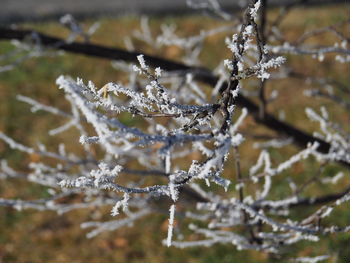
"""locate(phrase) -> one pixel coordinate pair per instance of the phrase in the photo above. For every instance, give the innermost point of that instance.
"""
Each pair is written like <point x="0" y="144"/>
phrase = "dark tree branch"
<point x="202" y="74"/>
<point x="321" y="199"/>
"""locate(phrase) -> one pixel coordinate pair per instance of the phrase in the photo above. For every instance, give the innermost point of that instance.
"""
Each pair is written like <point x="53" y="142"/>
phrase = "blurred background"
<point x="32" y="236"/>
<point x="35" y="10"/>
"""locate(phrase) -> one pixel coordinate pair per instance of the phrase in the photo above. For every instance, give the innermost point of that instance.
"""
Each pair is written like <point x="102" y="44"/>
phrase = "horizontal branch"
<point x="305" y="201"/>
<point x="202" y="74"/>
<point x="321" y="199"/>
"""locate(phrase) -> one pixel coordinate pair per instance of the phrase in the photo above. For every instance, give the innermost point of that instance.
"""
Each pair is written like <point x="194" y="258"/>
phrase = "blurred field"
<point x="31" y="236"/>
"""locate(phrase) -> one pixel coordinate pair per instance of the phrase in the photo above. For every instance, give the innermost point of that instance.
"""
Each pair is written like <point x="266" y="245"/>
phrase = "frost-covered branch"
<point x="184" y="154"/>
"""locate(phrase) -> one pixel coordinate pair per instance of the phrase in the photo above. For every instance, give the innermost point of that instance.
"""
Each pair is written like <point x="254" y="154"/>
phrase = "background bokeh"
<point x="32" y="236"/>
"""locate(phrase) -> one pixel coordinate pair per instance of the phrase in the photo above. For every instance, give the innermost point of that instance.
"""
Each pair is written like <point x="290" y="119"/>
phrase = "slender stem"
<point x="261" y="41"/>
<point x="239" y="176"/>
